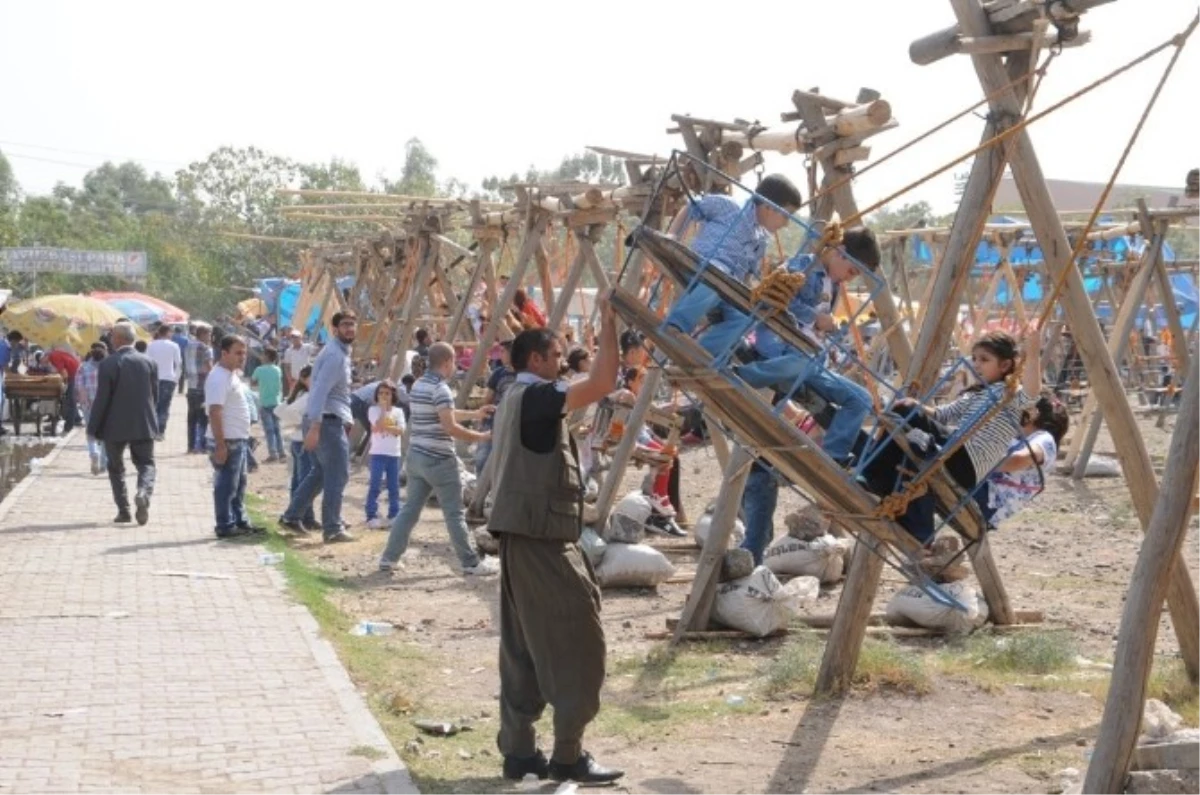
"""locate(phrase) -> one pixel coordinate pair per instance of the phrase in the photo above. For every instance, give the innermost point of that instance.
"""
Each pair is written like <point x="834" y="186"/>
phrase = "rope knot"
<point x="777" y="289"/>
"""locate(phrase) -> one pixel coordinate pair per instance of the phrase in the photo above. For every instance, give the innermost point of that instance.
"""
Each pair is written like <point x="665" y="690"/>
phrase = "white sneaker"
<point x="376" y="523"/>
<point x="388" y="568"/>
<point x="486" y="567"/>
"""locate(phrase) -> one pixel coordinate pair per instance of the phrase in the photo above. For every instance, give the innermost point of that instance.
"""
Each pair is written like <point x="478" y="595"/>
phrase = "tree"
<point x="909" y="216"/>
<point x="10" y="201"/>
<point x="337" y="174"/>
<point x="419" y="175"/>
<point x="236" y="185"/>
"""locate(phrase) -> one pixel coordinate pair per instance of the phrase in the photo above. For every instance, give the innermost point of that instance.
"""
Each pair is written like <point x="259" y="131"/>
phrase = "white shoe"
<point x="376" y="523"/>
<point x="388" y="568"/>
<point x="486" y="567"/>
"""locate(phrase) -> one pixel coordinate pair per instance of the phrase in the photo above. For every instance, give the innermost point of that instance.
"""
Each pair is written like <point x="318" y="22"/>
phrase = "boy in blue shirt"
<point x="781" y="365"/>
<point x="732" y="239"/>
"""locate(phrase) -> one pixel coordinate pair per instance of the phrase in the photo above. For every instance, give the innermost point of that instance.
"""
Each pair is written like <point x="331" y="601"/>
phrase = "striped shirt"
<point x="430" y="394"/>
<point x="988" y="444"/>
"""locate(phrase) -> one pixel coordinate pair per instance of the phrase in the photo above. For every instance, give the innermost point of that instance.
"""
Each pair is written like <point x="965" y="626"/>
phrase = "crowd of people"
<point x="531" y="461"/>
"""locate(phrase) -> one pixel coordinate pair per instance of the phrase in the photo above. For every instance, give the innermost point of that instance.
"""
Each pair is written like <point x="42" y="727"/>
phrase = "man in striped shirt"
<point x="432" y="464"/>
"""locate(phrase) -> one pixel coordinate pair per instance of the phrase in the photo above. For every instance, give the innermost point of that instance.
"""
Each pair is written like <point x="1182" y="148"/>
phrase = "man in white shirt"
<point x="229" y="439"/>
<point x="296" y="356"/>
<point x="166" y="354"/>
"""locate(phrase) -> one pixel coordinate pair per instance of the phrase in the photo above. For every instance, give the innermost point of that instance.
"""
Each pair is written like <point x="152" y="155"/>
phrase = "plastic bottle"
<point x="363" y="628"/>
<point x="270" y="558"/>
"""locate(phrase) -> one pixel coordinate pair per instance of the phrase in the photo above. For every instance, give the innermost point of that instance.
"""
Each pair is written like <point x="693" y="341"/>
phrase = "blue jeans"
<point x="385" y="469"/>
<point x="483" y="451"/>
<point x="694" y="305"/>
<point x="329" y="473"/>
<point x="440" y="476"/>
<point x="854" y="402"/>
<point x="166" y="391"/>
<point x="271" y="431"/>
<point x="301" y="463"/>
<point x="758" y="508"/>
<point x="229" y="487"/>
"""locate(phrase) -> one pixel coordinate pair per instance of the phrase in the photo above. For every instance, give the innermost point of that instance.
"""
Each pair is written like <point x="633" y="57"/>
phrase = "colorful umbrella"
<point x="48" y="320"/>
<point x="143" y="309"/>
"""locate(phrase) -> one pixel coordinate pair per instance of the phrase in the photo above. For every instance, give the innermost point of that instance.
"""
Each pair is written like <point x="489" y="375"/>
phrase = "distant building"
<point x="1069" y="195"/>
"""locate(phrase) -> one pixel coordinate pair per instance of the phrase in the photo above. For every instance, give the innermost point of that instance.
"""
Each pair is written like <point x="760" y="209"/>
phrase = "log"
<point x="850" y="621"/>
<point x="782" y="140"/>
<point x="944" y="43"/>
<point x="861" y="118"/>
<point x="845" y="157"/>
<point x="1158" y="559"/>
<point x="1102" y="375"/>
<point x="1167" y="756"/>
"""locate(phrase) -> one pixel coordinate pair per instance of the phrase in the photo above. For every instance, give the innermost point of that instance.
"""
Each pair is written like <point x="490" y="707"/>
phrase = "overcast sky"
<point x="492" y="88"/>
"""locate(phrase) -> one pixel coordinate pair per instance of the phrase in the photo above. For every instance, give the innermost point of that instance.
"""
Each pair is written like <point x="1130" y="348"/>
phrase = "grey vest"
<point x="537" y="494"/>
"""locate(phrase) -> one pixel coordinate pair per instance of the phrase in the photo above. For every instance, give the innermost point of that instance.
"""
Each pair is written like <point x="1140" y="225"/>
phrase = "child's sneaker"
<point x="376" y="523"/>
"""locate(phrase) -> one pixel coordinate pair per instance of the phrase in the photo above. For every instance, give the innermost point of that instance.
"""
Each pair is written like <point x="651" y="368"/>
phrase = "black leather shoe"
<point x="123" y="518"/>
<point x="586" y="770"/>
<point x="518" y="767"/>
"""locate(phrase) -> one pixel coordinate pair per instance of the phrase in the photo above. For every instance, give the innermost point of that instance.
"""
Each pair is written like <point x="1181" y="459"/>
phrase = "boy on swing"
<point x="787" y="368"/>
<point x="732" y="239"/>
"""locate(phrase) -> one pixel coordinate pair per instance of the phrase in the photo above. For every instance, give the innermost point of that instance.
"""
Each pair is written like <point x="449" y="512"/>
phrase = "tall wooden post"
<point x="534" y="229"/>
<point x="1157" y="560"/>
<point x="1102" y="374"/>
<point x="398" y="341"/>
<point x="482" y="263"/>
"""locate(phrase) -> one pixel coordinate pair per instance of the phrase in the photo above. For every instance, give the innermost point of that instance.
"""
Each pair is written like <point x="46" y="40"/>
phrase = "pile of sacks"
<point x="945" y="566"/>
<point x="619" y="557"/>
<point x="809" y="549"/>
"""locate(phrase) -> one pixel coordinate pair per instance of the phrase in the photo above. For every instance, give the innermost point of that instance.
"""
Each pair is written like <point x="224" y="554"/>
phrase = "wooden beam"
<point x="697" y="611"/>
<point x="944" y="43"/>
<point x="1159" y="557"/>
<point x="1102" y="374"/>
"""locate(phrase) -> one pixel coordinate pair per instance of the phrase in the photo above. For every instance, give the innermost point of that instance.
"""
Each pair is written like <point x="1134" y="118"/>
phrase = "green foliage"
<point x="909" y="216"/>
<point x="1040" y="652"/>
<point x="419" y="175"/>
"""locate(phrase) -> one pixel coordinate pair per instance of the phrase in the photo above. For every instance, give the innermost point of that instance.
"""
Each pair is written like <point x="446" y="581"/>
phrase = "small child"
<point x="387" y="426"/>
<point x="994" y="357"/>
<point x="269" y="380"/>
<point x="291" y="417"/>
<point x="1020" y="477"/>
<point x="733" y="240"/>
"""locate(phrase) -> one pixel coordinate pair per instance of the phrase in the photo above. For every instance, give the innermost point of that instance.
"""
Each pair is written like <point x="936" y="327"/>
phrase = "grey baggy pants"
<point x="552" y="648"/>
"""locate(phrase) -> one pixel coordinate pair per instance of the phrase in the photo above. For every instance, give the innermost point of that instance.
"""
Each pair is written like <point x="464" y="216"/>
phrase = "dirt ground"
<point x="703" y="722"/>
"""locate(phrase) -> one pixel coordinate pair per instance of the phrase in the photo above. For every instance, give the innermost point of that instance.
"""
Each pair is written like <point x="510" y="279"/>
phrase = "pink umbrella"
<point x="143" y="308"/>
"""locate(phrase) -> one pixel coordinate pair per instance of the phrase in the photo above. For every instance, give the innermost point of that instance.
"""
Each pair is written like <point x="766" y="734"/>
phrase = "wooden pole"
<point x="850" y="621"/>
<point x="406" y="323"/>
<point x="1088" y="424"/>
<point x="1102" y="374"/>
<point x="533" y="239"/>
<point x="482" y="264"/>
<point x="624" y="451"/>
<point x="585" y="237"/>
<point x="1152" y="575"/>
<point x="698" y="609"/>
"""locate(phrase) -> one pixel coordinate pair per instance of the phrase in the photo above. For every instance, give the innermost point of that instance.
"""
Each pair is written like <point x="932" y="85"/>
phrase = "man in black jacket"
<point x="124" y="414"/>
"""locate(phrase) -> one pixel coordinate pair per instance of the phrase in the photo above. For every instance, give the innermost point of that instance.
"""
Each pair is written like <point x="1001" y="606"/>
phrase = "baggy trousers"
<point x="551" y="644"/>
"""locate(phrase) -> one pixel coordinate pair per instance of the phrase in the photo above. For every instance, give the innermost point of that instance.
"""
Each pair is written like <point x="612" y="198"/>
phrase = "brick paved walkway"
<point x="117" y="677"/>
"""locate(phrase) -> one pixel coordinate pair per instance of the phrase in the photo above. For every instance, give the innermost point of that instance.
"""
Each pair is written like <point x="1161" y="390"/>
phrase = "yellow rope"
<point x="777" y="289"/>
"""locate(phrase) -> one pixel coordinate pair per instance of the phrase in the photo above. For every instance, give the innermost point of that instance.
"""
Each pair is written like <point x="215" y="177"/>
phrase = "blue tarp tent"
<point x="281" y="296"/>
<point x="987" y="256"/>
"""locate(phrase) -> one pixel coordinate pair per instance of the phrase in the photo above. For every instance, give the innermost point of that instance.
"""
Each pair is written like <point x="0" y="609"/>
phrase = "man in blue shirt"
<point x="731" y="239"/>
<point x="326" y="426"/>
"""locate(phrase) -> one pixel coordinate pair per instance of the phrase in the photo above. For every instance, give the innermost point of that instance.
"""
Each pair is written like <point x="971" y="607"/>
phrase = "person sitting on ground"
<point x="291" y="420"/>
<point x="994" y="357"/>
<point x="733" y="240"/>
<point x="1021" y="475"/>
<point x="789" y="369"/>
<point x="387" y="428"/>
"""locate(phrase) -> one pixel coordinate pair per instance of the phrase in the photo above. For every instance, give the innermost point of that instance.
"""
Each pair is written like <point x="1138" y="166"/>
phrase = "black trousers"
<point x="142" y="453"/>
<point x="197" y="419"/>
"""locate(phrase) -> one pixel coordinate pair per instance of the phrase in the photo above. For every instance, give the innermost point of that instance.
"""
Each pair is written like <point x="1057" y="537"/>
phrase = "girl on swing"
<point x="1021" y="476"/>
<point x="994" y="357"/>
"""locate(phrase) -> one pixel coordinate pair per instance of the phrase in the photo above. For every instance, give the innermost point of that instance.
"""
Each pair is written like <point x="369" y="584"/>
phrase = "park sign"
<point x="38" y="259"/>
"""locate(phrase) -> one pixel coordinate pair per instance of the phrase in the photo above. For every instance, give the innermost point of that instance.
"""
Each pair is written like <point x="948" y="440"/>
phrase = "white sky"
<point x="491" y="88"/>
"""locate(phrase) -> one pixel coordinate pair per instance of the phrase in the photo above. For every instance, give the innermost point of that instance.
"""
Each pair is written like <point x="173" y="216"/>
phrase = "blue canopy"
<point x="281" y="296"/>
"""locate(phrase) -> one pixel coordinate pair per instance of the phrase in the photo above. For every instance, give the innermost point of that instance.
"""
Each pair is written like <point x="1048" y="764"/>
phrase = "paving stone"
<point x="116" y="678"/>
